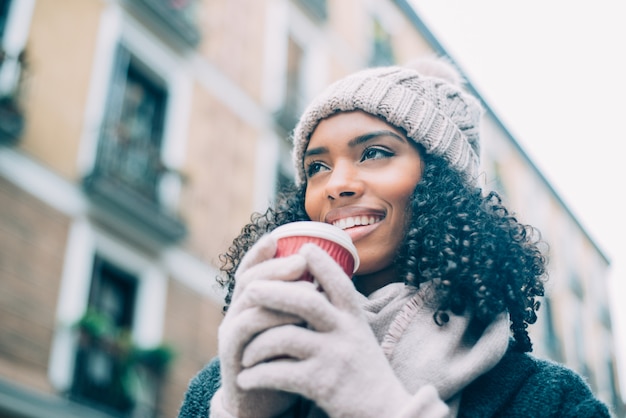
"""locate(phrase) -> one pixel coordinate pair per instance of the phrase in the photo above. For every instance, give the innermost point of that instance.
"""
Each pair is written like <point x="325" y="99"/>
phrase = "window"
<point x="292" y="107"/>
<point x="382" y="50"/>
<point x="576" y="286"/>
<point x="4" y="15"/>
<point x="14" y="26"/>
<point x="111" y="372"/>
<point x="284" y="175"/>
<point x="614" y="380"/>
<point x="179" y="16"/>
<point x="293" y="103"/>
<point x="130" y="144"/>
<point x="317" y="8"/>
<point x="497" y="183"/>
<point x="580" y="352"/>
<point x="100" y="374"/>
<point x="130" y="179"/>
<point x="110" y="317"/>
<point x="298" y="69"/>
<point x="551" y="338"/>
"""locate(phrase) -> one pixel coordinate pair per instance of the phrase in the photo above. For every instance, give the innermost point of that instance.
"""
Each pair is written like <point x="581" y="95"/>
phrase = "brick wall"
<point x="191" y="322"/>
<point x="32" y="246"/>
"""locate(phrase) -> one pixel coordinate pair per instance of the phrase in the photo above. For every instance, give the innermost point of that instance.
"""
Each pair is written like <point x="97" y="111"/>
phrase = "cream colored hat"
<point x="425" y="99"/>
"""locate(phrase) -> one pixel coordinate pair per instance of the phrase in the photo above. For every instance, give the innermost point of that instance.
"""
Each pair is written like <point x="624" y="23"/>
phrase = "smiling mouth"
<point x="353" y="221"/>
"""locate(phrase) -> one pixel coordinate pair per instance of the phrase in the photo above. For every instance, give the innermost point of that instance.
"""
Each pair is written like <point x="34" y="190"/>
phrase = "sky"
<point x="554" y="72"/>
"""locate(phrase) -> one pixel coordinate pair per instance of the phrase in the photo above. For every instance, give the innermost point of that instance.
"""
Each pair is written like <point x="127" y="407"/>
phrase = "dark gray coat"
<point x="519" y="386"/>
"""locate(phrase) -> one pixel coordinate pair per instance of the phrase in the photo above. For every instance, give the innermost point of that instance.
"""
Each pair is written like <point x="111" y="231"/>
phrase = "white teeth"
<point x="356" y="220"/>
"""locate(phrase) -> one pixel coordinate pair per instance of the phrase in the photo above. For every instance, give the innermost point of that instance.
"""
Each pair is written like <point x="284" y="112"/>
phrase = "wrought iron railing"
<point x="112" y="374"/>
<point x="127" y="178"/>
<point x="318" y="8"/>
<point x="179" y="16"/>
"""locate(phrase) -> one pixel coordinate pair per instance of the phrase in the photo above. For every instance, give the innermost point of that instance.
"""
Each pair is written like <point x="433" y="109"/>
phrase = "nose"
<point x="343" y="181"/>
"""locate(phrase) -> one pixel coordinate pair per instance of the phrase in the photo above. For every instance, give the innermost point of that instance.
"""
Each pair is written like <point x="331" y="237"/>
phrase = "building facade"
<point x="137" y="137"/>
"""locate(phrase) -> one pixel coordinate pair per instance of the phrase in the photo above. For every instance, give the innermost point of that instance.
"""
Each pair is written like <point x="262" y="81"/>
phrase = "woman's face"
<point x="361" y="173"/>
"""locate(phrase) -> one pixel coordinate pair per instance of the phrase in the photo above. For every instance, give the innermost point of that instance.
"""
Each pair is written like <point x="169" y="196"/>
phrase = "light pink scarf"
<point x="422" y="352"/>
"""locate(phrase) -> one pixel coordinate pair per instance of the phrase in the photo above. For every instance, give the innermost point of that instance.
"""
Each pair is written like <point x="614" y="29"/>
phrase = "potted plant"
<point x="141" y="369"/>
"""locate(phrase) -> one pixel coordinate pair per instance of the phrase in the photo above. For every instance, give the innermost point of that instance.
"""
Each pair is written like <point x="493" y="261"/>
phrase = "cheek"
<point x="399" y="197"/>
<point x="400" y="192"/>
<point x="311" y="205"/>
<point x="405" y="187"/>
<point x="407" y="211"/>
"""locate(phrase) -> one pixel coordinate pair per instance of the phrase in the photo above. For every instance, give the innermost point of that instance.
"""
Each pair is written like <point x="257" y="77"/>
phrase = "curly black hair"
<point x="474" y="251"/>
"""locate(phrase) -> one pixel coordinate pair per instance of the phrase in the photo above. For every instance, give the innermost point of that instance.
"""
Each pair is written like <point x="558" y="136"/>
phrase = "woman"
<point x="434" y="321"/>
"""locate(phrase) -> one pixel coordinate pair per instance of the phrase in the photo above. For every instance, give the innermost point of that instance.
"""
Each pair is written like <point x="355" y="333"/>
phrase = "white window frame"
<point x="118" y="27"/>
<point x="286" y="19"/>
<point x="85" y="241"/>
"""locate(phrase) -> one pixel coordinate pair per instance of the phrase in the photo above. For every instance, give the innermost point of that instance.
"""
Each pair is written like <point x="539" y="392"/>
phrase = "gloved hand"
<point x="337" y="361"/>
<point x="242" y="322"/>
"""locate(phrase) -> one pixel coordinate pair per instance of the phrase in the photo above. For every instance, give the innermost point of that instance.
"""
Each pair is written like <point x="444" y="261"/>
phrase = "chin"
<point x="371" y="268"/>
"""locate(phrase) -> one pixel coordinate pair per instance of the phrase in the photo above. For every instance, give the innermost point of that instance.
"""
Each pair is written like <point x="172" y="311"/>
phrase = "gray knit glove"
<point x="243" y="321"/>
<point x="336" y="360"/>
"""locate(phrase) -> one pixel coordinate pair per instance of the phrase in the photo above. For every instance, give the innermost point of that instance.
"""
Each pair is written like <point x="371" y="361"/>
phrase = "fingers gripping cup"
<point x="337" y="243"/>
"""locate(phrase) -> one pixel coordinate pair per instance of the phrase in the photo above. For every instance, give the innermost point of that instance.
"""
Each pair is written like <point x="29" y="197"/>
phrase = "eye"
<point x="314" y="167"/>
<point x="375" y="153"/>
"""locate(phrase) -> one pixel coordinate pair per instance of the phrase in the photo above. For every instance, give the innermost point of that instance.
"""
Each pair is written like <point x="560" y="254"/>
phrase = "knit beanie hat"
<point x="424" y="98"/>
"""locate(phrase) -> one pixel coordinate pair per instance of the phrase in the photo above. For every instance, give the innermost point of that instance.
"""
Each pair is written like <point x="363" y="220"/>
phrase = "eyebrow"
<point x="357" y="141"/>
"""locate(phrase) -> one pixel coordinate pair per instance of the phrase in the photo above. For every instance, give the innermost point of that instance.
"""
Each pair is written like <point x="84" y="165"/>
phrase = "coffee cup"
<point x="336" y="242"/>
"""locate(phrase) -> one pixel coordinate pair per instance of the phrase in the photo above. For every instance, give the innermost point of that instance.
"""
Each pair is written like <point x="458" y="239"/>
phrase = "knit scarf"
<point x="422" y="352"/>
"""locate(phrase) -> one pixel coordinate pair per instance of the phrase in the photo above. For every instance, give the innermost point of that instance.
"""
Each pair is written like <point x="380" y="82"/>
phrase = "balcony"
<point x="11" y="87"/>
<point x="128" y="182"/>
<point x="317" y="8"/>
<point x="112" y="374"/>
<point x="178" y="16"/>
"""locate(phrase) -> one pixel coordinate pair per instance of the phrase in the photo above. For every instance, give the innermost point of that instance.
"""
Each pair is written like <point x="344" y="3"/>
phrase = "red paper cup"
<point x="337" y="243"/>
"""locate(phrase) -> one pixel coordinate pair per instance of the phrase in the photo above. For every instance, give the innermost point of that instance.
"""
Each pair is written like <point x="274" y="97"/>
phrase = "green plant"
<point x="139" y="365"/>
<point x="95" y="324"/>
<point x="156" y="358"/>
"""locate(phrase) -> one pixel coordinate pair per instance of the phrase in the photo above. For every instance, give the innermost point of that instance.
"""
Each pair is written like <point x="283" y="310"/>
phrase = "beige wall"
<point x="60" y="54"/>
<point x="218" y="196"/>
<point x="191" y="324"/>
<point x="233" y="40"/>
<point x="350" y="27"/>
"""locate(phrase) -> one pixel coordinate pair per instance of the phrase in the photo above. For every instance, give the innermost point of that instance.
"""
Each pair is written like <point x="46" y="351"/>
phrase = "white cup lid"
<point x="318" y="230"/>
